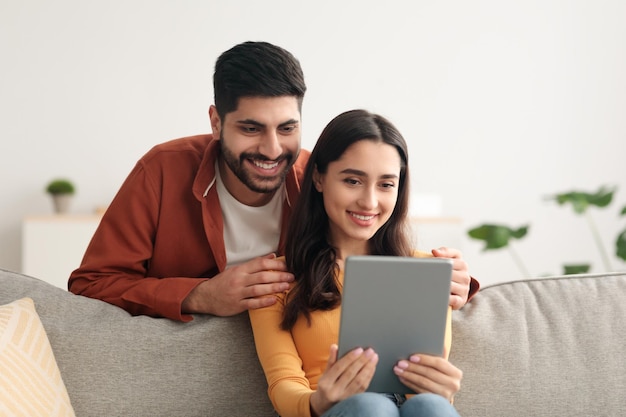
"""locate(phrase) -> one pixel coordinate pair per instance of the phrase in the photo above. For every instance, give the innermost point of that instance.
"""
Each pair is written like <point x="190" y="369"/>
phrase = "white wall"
<point x="503" y="102"/>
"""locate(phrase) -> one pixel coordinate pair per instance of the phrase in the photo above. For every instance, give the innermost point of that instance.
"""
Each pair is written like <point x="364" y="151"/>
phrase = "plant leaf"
<point x="581" y="201"/>
<point x="602" y="198"/>
<point x="496" y="236"/>
<point x="520" y="233"/>
<point x="576" y="269"/>
<point x="623" y="212"/>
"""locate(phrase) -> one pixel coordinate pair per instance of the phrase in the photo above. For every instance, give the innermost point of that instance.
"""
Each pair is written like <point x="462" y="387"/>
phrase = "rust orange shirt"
<point x="162" y="234"/>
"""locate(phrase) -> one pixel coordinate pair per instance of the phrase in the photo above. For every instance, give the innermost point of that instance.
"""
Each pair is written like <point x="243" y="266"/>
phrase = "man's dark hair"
<point x="255" y="69"/>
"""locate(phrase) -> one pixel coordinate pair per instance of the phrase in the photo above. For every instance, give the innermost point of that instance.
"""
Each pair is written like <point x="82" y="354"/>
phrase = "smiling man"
<point x="198" y="223"/>
<point x="195" y="226"/>
<point x="262" y="144"/>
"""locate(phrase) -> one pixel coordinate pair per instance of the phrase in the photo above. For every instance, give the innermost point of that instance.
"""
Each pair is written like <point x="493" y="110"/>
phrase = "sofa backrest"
<point x="113" y="364"/>
<point x="543" y="347"/>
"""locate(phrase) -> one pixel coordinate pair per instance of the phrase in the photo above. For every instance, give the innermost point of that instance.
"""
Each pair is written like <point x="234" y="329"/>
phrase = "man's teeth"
<point x="360" y="217"/>
<point x="266" y="165"/>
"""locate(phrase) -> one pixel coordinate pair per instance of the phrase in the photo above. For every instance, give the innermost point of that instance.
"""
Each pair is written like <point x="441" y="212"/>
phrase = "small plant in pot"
<point x="61" y="191"/>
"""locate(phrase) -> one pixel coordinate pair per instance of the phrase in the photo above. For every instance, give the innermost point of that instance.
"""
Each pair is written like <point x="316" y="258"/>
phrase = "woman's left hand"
<point x="460" y="286"/>
<point x="433" y="374"/>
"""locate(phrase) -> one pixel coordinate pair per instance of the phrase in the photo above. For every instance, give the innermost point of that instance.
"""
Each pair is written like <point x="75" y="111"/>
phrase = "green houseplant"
<point x="581" y="202"/>
<point x="61" y="191"/>
<point x="60" y="186"/>
<point x="499" y="236"/>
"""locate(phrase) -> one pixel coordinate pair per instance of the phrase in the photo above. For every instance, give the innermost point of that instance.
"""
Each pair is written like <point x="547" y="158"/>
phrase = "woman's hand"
<point x="426" y="373"/>
<point x="346" y="376"/>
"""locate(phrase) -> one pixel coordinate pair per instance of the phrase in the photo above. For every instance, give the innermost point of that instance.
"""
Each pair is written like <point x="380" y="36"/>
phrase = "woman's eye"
<point x="351" y="181"/>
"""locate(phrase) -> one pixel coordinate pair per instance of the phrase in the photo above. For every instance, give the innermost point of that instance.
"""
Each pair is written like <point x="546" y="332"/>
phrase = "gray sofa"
<point x="546" y="347"/>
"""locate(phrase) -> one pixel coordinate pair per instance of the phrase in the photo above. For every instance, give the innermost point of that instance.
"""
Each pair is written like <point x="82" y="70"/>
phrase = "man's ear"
<point x="216" y="122"/>
<point x="317" y="179"/>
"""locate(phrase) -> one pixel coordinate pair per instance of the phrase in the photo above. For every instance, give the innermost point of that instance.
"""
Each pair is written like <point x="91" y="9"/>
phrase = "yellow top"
<point x="294" y="361"/>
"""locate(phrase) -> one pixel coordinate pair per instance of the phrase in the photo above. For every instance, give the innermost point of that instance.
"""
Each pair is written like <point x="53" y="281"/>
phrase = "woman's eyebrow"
<point x="360" y="173"/>
<point x="353" y="171"/>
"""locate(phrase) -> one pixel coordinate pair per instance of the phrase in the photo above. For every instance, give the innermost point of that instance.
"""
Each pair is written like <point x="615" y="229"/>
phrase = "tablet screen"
<point x="396" y="305"/>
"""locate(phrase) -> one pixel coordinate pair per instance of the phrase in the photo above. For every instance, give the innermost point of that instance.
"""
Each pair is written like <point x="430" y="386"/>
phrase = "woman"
<point x="354" y="201"/>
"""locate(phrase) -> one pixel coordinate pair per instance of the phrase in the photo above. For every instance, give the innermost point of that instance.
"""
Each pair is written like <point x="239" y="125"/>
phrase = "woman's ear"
<point x="317" y="179"/>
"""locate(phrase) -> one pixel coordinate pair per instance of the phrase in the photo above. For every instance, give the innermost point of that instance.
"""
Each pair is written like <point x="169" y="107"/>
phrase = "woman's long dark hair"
<point x="309" y="255"/>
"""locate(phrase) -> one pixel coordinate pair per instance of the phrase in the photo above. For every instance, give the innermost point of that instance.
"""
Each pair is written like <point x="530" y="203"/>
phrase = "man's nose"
<point x="270" y="146"/>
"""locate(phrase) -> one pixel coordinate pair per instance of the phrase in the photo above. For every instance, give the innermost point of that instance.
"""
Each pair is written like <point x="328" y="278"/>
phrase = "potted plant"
<point x="61" y="191"/>
<point x="498" y="236"/>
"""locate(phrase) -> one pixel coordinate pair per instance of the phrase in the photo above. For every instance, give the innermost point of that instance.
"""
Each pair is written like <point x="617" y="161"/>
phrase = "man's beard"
<point x="256" y="183"/>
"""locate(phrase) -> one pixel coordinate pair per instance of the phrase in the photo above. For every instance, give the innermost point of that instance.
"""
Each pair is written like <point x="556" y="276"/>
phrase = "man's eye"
<point x="249" y="129"/>
<point x="288" y="129"/>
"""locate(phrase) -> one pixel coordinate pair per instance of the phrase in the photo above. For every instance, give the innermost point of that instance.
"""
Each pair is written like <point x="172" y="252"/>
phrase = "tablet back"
<point x="396" y="305"/>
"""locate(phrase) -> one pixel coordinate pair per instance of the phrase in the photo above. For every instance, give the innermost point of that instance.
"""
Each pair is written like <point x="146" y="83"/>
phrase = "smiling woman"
<point x="354" y="201"/>
<point x="359" y="196"/>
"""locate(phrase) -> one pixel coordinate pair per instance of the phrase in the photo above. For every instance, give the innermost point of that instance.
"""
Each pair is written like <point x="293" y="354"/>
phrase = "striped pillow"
<point x="30" y="380"/>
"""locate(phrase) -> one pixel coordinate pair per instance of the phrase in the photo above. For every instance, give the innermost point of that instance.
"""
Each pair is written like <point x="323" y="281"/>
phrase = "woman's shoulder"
<point x="421" y="254"/>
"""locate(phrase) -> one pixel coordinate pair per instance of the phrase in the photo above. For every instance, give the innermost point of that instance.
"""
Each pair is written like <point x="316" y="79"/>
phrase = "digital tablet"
<point x="396" y="305"/>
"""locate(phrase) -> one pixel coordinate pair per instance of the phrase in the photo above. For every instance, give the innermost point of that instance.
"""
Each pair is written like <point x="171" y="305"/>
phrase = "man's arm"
<point x="150" y="255"/>
<point x="115" y="266"/>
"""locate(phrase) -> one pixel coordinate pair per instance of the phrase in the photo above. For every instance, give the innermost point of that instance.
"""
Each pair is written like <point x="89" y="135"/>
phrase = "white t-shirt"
<point x="249" y="231"/>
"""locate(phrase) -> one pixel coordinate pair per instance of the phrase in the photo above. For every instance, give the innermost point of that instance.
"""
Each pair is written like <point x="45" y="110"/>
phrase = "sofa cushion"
<point x="544" y="347"/>
<point x="29" y="376"/>
<point x="117" y="365"/>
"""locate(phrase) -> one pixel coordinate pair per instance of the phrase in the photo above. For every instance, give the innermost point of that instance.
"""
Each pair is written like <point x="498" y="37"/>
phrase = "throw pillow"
<point x="30" y="380"/>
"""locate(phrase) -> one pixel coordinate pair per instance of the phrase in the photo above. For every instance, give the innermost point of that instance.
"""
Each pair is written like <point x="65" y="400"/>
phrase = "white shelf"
<point x="53" y="246"/>
<point x="434" y="232"/>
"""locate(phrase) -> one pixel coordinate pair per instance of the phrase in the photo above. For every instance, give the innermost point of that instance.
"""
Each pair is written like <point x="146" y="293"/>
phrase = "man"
<point x="197" y="224"/>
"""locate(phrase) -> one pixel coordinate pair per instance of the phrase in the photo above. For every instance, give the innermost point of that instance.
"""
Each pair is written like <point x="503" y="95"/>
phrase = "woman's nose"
<point x="368" y="199"/>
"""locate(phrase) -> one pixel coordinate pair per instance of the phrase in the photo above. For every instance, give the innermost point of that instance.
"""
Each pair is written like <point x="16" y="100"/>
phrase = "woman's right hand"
<point x="343" y="377"/>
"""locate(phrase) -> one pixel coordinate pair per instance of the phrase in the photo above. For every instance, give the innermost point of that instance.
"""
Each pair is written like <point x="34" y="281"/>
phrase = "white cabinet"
<point x="53" y="246"/>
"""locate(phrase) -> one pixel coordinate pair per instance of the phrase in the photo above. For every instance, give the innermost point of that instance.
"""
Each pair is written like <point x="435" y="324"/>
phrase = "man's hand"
<point x="459" y="289"/>
<point x="240" y="288"/>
